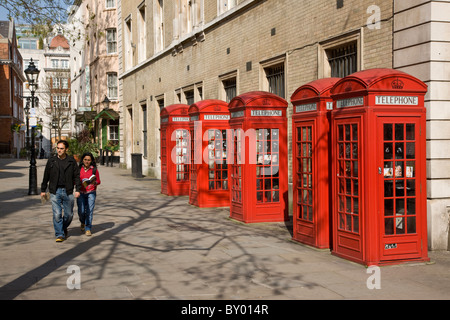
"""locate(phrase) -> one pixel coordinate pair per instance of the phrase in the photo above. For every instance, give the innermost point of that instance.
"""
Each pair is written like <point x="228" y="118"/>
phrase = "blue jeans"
<point x="61" y="201"/>
<point x="86" y="204"/>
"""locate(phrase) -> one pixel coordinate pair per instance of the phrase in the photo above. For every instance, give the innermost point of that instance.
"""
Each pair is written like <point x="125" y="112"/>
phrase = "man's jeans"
<point x="62" y="202"/>
<point x="86" y="204"/>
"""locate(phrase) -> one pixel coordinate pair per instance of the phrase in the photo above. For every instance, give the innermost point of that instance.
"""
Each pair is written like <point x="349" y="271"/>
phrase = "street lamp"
<point x="32" y="74"/>
<point x="106" y="102"/>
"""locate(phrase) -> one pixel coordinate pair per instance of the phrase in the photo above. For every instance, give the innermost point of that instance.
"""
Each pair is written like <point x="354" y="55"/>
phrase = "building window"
<point x="65" y="101"/>
<point x="55" y="63"/>
<point x="159" y="25"/>
<point x="160" y="103"/>
<point x="142" y="33"/>
<point x="128" y="44"/>
<point x="340" y="57"/>
<point x="189" y="95"/>
<point x="230" y="89"/>
<point x="199" y="92"/>
<point x="188" y="14"/>
<point x="343" y="60"/>
<point x="65" y="83"/>
<point x="27" y="44"/>
<point x="111" y="41"/>
<point x="275" y="79"/>
<point x="56" y="82"/>
<point x="112" y="85"/>
<point x="64" y="64"/>
<point x="114" y="130"/>
<point x="110" y="4"/>
<point x="59" y="101"/>
<point x="225" y="5"/>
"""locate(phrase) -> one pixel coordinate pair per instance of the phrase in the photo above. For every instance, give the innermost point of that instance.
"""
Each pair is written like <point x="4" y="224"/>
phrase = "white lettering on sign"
<point x="306" y="107"/>
<point x="178" y="119"/>
<point x="329" y="105"/>
<point x="390" y="246"/>
<point x="237" y="114"/>
<point x="266" y="113"/>
<point x="397" y="100"/>
<point x="350" y="102"/>
<point x="216" y="117"/>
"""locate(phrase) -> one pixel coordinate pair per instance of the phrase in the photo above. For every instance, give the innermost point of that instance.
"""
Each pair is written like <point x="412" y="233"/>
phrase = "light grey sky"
<point x="3" y="14"/>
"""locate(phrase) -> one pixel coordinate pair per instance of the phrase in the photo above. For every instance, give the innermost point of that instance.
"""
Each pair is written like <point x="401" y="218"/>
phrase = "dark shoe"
<point x="82" y="227"/>
<point x="66" y="234"/>
<point x="60" y="239"/>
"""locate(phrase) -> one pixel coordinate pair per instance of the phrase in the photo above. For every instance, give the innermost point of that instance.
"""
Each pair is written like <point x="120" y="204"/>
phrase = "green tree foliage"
<point x="41" y="14"/>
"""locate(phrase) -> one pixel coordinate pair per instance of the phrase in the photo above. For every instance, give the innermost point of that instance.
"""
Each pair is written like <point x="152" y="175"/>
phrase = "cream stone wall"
<point x="422" y="48"/>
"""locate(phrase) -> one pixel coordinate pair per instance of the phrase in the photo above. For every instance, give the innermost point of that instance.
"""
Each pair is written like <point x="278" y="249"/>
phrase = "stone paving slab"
<point x="149" y="246"/>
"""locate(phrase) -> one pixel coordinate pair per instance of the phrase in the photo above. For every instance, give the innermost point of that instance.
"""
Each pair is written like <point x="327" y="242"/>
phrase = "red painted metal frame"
<point x="209" y="186"/>
<point x="363" y="103"/>
<point x="249" y="116"/>
<point x="312" y="165"/>
<point x="173" y="118"/>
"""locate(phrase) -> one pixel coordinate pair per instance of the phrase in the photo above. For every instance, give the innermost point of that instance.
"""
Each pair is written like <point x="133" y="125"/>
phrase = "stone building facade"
<point x="184" y="51"/>
<point x="94" y="68"/>
<point x="421" y="47"/>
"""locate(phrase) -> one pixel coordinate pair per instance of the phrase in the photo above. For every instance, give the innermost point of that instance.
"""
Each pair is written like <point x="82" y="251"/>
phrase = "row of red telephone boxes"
<point x="358" y="162"/>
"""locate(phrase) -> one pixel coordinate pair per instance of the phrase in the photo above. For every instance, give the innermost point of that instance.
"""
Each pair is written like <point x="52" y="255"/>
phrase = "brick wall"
<point x="260" y="31"/>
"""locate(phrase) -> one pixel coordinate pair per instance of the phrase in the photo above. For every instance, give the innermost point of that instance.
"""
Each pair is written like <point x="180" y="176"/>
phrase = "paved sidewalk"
<point x="149" y="246"/>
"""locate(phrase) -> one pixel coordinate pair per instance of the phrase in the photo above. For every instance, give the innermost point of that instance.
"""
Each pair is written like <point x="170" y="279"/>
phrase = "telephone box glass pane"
<point x="399" y="178"/>
<point x="163" y="161"/>
<point x="182" y="162"/>
<point x="348" y="186"/>
<point x="193" y="171"/>
<point x="304" y="170"/>
<point x="267" y="164"/>
<point x="218" y="164"/>
<point x="236" y="183"/>
<point x="410" y="128"/>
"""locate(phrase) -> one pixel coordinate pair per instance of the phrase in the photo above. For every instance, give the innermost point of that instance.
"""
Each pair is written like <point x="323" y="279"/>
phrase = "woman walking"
<point x="90" y="179"/>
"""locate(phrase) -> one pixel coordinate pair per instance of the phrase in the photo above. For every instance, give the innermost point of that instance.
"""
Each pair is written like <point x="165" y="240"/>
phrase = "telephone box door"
<point x="305" y="205"/>
<point x="164" y="182"/>
<point x="347" y="205"/>
<point x="400" y="188"/>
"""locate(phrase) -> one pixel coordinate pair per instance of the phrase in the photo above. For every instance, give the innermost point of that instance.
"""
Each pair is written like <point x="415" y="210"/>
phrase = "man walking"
<point x="63" y="174"/>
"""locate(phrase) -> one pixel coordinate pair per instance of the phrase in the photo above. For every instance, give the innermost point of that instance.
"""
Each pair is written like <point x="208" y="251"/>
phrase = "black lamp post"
<point x="32" y="74"/>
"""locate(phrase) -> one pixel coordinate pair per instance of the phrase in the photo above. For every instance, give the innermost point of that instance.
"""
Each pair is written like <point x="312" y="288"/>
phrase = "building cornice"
<point x="195" y="36"/>
<point x="14" y="66"/>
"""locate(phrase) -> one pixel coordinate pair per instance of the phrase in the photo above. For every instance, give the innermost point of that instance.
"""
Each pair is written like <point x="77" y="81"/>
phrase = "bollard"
<point x="101" y="159"/>
<point x="136" y="165"/>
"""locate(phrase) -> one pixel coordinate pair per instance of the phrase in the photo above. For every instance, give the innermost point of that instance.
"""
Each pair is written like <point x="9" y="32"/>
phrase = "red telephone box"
<point x="312" y="106"/>
<point x="209" y="167"/>
<point x="259" y="167"/>
<point x="175" y="144"/>
<point x="379" y="173"/>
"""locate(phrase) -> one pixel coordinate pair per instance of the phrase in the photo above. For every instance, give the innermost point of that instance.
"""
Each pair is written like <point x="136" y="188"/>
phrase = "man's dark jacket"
<point x="51" y="173"/>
